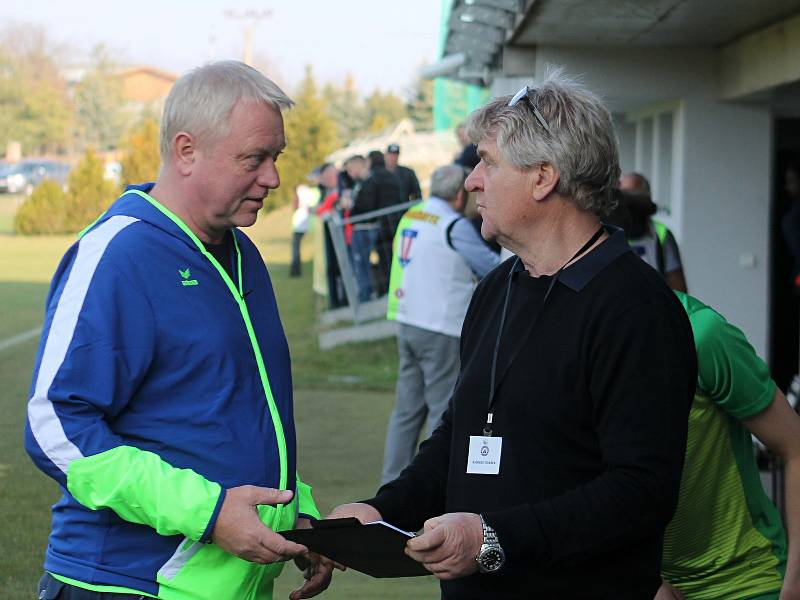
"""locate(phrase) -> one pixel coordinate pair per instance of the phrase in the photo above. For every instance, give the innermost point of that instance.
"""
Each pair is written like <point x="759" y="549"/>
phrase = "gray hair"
<point x="581" y="144"/>
<point x="201" y="101"/>
<point x="447" y="181"/>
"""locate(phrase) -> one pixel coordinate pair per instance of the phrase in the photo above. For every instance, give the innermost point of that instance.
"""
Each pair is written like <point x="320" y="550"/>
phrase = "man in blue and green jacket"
<point x="161" y="399"/>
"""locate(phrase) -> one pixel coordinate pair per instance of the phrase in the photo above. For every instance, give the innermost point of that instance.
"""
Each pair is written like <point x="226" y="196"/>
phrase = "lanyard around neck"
<point x="487" y="430"/>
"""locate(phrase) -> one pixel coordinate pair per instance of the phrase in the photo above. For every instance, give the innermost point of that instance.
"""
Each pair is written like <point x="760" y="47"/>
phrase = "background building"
<point x="706" y="100"/>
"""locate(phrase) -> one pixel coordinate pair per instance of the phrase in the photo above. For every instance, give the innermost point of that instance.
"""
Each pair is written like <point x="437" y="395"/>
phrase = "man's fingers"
<point x="315" y="583"/>
<point x="440" y="570"/>
<point x="431" y="524"/>
<point x="436" y="555"/>
<point x="264" y="495"/>
<point x="437" y="568"/>
<point x="432" y="538"/>
<point x="331" y="564"/>
<point x="280" y="546"/>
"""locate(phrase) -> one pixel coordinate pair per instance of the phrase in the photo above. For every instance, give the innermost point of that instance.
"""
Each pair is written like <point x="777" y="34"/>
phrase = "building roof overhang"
<point x="478" y="30"/>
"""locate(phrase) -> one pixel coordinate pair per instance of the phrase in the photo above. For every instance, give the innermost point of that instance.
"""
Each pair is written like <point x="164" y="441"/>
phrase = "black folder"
<point x="372" y="548"/>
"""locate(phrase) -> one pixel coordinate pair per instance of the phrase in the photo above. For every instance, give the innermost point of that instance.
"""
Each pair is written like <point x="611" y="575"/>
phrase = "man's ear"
<point x="545" y="178"/>
<point x="184" y="152"/>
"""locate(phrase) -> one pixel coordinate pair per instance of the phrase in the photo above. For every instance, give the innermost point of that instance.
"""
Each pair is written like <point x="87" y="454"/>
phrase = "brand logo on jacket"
<point x="185" y="274"/>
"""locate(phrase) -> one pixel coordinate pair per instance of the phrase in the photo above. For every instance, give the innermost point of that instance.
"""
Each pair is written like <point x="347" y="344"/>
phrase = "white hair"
<point x="201" y="101"/>
<point x="580" y="143"/>
<point x="447" y="181"/>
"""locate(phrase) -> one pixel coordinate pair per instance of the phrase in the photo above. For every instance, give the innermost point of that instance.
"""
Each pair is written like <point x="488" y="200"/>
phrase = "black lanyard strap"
<point x="487" y="430"/>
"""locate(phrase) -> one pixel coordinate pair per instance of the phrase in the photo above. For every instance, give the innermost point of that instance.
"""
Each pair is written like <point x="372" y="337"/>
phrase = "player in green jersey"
<point x="726" y="539"/>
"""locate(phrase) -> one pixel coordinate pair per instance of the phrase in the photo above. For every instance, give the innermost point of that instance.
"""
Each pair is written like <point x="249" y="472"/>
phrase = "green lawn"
<point x="342" y="401"/>
<point x="8" y="206"/>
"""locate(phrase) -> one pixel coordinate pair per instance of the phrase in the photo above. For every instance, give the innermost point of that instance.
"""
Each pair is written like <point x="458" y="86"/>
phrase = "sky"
<point x="381" y="42"/>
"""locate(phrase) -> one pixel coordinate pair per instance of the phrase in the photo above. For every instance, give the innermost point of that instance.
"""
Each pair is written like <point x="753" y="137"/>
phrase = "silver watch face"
<point x="491" y="559"/>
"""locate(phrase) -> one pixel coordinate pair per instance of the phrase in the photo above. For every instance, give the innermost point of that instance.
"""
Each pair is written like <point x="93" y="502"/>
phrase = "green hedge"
<point x="50" y="210"/>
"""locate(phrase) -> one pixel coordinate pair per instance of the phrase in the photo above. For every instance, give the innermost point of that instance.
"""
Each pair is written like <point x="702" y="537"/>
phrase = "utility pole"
<point x="250" y="19"/>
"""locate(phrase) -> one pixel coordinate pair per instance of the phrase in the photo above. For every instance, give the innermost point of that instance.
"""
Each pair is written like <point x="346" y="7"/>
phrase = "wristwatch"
<point x="491" y="556"/>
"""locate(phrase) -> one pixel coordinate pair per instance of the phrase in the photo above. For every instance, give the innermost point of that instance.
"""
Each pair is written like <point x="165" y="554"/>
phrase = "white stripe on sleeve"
<point x="44" y="422"/>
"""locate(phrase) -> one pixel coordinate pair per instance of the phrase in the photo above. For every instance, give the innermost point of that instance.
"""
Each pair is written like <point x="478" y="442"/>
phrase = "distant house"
<point x="145" y="86"/>
<point x="142" y="86"/>
<point x="706" y="101"/>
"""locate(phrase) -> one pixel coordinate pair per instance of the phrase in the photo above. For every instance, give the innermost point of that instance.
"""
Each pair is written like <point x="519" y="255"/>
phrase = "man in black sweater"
<point x="557" y="465"/>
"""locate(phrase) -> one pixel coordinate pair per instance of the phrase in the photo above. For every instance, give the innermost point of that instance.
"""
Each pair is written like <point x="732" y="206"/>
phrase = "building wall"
<point x="727" y="189"/>
<point x="145" y="87"/>
<point x="721" y="194"/>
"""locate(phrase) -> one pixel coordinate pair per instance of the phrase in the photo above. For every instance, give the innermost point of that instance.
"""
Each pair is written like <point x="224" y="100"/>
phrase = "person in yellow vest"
<point x="437" y="260"/>
<point x="651" y="240"/>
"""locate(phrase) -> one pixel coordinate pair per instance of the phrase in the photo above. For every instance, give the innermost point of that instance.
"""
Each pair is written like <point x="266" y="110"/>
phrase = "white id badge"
<point x="484" y="455"/>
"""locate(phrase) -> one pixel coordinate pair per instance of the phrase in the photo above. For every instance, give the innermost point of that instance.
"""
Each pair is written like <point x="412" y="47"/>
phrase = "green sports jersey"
<point x="726" y="539"/>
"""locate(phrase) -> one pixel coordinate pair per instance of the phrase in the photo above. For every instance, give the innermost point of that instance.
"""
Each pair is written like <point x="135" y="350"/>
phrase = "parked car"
<point x="23" y="176"/>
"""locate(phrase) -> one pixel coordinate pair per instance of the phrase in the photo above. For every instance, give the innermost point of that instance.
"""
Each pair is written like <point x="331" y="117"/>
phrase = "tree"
<point x="383" y="110"/>
<point x="346" y="109"/>
<point x="34" y="109"/>
<point x="310" y="137"/>
<point x="89" y="193"/>
<point x="99" y="104"/>
<point x="140" y="155"/>
<point x="420" y="104"/>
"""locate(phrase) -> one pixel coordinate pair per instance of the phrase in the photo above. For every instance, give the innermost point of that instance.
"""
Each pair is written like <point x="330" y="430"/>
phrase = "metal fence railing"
<point x="361" y="248"/>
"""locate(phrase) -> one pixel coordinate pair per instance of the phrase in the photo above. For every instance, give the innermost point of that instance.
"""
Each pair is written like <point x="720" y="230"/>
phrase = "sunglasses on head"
<point x="528" y="94"/>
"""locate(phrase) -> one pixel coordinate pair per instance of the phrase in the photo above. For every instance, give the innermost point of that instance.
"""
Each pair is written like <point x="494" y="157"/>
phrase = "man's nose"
<point x="269" y="177"/>
<point x="474" y="182"/>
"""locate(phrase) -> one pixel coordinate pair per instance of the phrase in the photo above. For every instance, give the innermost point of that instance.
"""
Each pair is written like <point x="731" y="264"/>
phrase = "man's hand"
<point x="449" y="545"/>
<point x="317" y="569"/>
<point x="791" y="587"/>
<point x="363" y="512"/>
<point x="239" y="530"/>
<point x="668" y="592"/>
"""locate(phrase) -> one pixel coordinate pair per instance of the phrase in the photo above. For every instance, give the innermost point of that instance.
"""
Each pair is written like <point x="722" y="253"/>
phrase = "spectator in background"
<point x="305" y="198"/>
<point x="437" y="261"/>
<point x="354" y="170"/>
<point x="650" y="239"/>
<point x="378" y="190"/>
<point x="406" y="177"/>
<point x="468" y="157"/>
<point x="329" y="186"/>
<point x="409" y="190"/>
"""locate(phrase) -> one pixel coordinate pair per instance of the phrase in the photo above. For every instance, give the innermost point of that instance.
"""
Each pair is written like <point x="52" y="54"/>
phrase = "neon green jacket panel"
<point x="142" y="488"/>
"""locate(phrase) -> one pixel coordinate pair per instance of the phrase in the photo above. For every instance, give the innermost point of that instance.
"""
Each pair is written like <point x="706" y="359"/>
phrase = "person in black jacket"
<point x="557" y="465"/>
<point x="378" y="190"/>
<point x="406" y="177"/>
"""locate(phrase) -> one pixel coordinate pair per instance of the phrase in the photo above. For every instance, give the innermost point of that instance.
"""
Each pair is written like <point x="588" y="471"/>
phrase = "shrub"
<point x="43" y="211"/>
<point x="49" y="210"/>
<point x="89" y="193"/>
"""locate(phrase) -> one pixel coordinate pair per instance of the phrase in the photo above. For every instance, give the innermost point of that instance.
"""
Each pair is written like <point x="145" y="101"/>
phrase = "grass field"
<point x="342" y="401"/>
